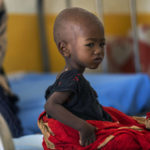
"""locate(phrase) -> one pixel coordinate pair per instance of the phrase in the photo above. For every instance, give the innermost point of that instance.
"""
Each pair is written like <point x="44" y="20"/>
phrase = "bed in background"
<point x="130" y="93"/>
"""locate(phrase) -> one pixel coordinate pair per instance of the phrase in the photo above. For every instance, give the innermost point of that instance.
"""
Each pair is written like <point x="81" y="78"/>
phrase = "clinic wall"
<point x="23" y="50"/>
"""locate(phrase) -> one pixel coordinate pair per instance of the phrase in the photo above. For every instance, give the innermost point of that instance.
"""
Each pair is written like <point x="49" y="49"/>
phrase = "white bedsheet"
<point x="29" y="142"/>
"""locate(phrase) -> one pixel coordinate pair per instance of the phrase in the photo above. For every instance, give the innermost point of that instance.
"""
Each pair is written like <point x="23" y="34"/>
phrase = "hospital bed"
<point x="130" y="93"/>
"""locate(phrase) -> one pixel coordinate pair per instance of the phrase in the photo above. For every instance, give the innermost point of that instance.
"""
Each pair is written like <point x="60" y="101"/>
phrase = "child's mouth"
<point x="98" y="60"/>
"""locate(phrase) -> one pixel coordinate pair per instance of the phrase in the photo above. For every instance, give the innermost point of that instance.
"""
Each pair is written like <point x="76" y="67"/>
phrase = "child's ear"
<point x="63" y="48"/>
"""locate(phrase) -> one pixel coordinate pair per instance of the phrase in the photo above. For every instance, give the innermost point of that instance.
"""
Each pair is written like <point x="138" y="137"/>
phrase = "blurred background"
<point x="31" y="47"/>
<point x="26" y="33"/>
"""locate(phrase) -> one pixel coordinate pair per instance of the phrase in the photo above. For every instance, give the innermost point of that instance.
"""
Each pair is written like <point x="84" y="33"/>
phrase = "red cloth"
<point x="148" y="115"/>
<point x="124" y="137"/>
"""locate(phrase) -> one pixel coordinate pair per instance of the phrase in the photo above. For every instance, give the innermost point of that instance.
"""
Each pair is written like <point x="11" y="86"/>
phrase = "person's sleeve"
<point x="69" y="82"/>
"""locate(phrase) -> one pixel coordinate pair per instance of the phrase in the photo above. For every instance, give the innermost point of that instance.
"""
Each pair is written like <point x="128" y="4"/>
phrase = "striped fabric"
<point x="3" y="45"/>
<point x="3" y="38"/>
<point x="8" y="107"/>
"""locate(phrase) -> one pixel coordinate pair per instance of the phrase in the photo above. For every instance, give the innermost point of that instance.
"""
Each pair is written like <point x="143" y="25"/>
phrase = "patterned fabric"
<point x="123" y="133"/>
<point x="9" y="110"/>
<point x="3" y="44"/>
<point x="8" y="107"/>
<point x="3" y="36"/>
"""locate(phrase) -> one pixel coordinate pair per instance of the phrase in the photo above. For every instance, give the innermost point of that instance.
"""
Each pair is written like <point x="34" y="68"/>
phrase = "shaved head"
<point x="71" y="18"/>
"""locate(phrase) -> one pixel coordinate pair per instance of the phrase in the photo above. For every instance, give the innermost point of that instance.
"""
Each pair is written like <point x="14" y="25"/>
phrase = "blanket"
<point x="123" y="133"/>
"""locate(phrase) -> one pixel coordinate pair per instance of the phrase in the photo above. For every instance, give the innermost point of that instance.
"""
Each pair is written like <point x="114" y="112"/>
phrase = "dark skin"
<point x="84" y="50"/>
<point x="86" y="131"/>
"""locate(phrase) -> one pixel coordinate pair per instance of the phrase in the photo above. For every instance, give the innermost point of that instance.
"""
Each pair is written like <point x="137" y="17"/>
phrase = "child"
<point x="73" y="118"/>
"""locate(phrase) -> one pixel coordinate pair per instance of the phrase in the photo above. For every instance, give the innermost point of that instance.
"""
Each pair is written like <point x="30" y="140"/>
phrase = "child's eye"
<point x="90" y="45"/>
<point x="102" y="45"/>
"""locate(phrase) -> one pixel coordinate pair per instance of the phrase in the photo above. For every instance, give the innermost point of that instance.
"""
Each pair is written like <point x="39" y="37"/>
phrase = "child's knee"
<point x="123" y="141"/>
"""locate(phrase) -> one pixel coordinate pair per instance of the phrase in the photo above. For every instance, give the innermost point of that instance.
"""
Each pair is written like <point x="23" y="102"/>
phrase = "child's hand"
<point x="87" y="135"/>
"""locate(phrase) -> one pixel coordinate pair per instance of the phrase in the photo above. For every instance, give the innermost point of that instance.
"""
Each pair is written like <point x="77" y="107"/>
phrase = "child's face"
<point x="87" y="48"/>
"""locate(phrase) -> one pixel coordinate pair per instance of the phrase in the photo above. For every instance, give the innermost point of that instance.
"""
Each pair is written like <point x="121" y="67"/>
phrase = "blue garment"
<point x="8" y="110"/>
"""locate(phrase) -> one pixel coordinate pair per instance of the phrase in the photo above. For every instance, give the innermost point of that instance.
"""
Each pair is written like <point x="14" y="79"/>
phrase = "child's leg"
<point x="128" y="120"/>
<point x="122" y="142"/>
<point x="143" y="120"/>
<point x="140" y="120"/>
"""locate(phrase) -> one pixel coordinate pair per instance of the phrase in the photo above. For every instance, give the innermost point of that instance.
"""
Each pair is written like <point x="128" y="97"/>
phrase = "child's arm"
<point x="54" y="108"/>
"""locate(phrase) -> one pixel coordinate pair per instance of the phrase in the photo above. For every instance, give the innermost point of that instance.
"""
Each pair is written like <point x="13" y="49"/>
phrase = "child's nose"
<point x="98" y="51"/>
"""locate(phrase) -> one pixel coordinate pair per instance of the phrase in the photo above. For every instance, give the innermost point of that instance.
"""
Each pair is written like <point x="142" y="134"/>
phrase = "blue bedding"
<point x="128" y="93"/>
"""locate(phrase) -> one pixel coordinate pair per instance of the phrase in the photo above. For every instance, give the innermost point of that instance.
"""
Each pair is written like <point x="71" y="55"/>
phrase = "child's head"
<point x="79" y="36"/>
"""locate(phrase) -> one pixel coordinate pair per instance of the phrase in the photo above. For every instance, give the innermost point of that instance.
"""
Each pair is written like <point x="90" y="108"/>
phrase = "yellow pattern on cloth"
<point x="110" y="137"/>
<point x="47" y="132"/>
